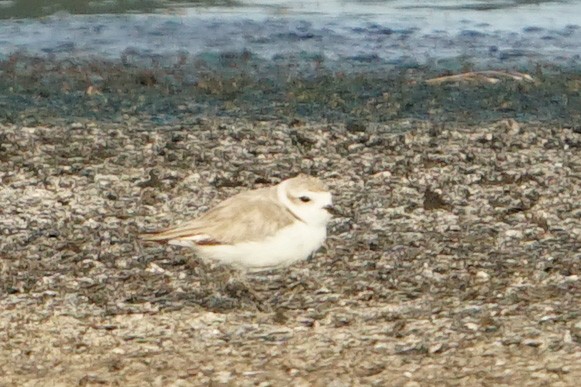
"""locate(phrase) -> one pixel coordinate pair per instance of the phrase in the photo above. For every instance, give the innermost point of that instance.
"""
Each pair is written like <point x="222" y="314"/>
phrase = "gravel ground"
<point x="456" y="263"/>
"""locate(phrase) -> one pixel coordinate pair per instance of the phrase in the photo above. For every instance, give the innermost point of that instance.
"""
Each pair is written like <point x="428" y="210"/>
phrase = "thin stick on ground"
<point x="489" y="76"/>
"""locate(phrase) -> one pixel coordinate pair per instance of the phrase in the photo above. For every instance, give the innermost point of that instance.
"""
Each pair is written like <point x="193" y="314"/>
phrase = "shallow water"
<point x="344" y="34"/>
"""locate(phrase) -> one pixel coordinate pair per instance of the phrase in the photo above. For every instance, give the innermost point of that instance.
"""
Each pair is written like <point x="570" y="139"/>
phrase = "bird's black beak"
<point x="332" y="210"/>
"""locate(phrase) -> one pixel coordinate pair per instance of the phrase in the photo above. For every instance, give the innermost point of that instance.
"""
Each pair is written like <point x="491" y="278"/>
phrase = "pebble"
<point x="483" y="276"/>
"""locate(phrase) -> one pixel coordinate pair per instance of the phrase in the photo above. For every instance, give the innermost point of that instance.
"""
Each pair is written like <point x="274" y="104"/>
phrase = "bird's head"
<point x="308" y="198"/>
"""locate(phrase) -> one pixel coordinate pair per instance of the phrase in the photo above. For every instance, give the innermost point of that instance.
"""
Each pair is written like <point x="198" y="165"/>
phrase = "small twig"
<point x="490" y="76"/>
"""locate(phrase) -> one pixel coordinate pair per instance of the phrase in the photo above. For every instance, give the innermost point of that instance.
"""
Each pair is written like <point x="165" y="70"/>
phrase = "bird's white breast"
<point x="290" y="244"/>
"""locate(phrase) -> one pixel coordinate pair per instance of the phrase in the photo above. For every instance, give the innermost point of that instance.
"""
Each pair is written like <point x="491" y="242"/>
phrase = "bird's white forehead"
<point x="322" y="197"/>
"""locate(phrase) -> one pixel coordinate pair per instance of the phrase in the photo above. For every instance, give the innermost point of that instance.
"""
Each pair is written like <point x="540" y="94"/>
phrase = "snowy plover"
<point x="261" y="229"/>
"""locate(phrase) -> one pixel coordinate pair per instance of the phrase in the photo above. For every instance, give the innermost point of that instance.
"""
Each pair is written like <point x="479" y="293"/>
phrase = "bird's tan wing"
<point x="248" y="216"/>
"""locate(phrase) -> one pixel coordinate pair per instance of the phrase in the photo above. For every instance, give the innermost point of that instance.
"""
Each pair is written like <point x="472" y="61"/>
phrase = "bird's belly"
<point x="289" y="245"/>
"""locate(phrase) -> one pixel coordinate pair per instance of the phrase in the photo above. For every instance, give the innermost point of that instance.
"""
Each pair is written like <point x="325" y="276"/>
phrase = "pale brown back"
<point x="248" y="216"/>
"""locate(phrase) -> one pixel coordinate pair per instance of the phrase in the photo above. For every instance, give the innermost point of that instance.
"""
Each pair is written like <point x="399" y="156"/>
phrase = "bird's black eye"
<point x="305" y="199"/>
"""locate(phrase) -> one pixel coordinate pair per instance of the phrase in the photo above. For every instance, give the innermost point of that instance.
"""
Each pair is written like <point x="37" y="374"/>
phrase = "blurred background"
<point x="398" y="32"/>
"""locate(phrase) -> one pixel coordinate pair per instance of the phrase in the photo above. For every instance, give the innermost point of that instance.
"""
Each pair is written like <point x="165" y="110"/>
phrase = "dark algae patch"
<point x="33" y="89"/>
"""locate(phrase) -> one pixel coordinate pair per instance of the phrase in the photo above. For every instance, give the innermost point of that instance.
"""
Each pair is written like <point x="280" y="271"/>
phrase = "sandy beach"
<point x="456" y="261"/>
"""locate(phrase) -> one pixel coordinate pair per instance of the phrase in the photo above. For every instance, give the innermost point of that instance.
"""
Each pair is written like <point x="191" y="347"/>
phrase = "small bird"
<point x="259" y="230"/>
